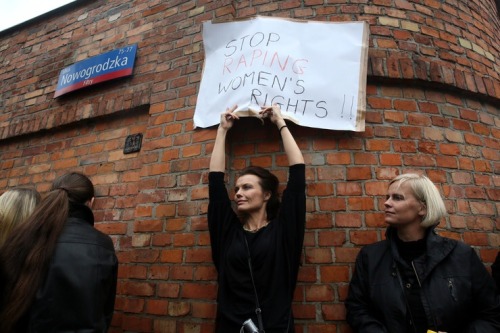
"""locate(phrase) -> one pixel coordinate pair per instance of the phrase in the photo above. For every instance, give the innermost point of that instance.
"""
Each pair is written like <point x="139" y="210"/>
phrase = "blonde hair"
<point x="16" y="205"/>
<point x="425" y="191"/>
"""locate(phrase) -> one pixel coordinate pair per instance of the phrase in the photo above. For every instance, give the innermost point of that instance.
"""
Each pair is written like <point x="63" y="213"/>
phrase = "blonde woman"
<point x="16" y="205"/>
<point x="416" y="281"/>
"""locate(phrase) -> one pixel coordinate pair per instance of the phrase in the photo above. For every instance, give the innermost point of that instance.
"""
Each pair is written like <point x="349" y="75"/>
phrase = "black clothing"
<point x="495" y="271"/>
<point x="78" y="292"/>
<point x="275" y="254"/>
<point x="457" y="293"/>
<point x="410" y="251"/>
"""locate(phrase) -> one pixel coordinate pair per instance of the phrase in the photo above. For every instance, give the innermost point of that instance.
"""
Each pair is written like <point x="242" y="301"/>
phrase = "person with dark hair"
<point x="416" y="281"/>
<point x="60" y="272"/>
<point x="256" y="250"/>
<point x="16" y="205"/>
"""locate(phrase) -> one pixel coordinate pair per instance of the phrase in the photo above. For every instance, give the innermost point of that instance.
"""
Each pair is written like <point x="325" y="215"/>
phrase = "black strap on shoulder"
<point x="258" y="311"/>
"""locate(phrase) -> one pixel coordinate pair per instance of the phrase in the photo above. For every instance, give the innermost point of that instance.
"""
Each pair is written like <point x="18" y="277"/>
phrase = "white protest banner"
<point x="315" y="71"/>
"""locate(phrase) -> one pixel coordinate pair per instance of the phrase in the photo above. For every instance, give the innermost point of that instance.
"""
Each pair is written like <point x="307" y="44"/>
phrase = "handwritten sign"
<point x="315" y="71"/>
<point x="103" y="67"/>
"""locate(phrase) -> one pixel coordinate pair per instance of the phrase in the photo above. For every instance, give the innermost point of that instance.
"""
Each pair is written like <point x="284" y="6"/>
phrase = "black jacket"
<point x="78" y="292"/>
<point x="495" y="271"/>
<point x="457" y="292"/>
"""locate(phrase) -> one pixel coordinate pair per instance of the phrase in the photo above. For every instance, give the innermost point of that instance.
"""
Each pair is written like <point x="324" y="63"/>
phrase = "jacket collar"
<point x="81" y="211"/>
<point x="437" y="249"/>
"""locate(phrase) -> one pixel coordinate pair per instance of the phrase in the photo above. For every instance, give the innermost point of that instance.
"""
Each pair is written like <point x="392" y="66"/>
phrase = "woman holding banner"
<point x="256" y="250"/>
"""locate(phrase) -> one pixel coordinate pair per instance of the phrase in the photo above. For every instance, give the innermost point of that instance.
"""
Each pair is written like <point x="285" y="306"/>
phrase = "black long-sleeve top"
<point x="275" y="256"/>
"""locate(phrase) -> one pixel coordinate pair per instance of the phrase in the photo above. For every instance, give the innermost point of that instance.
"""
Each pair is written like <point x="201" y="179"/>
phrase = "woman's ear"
<point x="423" y="210"/>
<point x="90" y="202"/>
<point x="267" y="196"/>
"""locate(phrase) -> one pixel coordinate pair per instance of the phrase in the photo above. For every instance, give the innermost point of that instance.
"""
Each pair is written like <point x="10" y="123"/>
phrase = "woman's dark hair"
<point x="269" y="183"/>
<point x="26" y="254"/>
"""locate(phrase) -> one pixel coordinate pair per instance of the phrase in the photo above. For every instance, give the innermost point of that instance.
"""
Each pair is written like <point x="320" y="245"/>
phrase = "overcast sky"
<point x="13" y="12"/>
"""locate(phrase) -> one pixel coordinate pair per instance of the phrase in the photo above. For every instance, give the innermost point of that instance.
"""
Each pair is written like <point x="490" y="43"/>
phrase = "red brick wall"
<point x="432" y="99"/>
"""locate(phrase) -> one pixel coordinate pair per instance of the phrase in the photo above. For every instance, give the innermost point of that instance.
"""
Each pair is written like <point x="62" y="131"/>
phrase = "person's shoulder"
<point x="455" y="247"/>
<point x="496" y="263"/>
<point x="454" y="244"/>
<point x="80" y="231"/>
<point x="374" y="253"/>
<point x="436" y="238"/>
<point x="103" y="239"/>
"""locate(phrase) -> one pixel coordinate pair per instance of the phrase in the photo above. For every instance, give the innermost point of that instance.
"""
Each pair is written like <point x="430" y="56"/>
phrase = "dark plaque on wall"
<point x="133" y="143"/>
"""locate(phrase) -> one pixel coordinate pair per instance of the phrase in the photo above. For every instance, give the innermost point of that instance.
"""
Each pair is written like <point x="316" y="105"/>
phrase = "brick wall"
<point x="432" y="97"/>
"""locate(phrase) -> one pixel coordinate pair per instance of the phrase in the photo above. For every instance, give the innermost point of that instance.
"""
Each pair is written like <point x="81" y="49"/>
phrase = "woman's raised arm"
<point x="291" y="148"/>
<point x="218" y="158"/>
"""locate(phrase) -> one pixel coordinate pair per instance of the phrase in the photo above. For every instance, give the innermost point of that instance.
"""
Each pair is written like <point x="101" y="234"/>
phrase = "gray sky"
<point x="13" y="12"/>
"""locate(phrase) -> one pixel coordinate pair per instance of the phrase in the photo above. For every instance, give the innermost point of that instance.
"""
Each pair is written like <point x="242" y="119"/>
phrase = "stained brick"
<point x="319" y="293"/>
<point x="198" y="291"/>
<point x="203" y="310"/>
<point x="319" y="256"/>
<point x="138" y="288"/>
<point x="171" y="290"/>
<point x="331" y="274"/>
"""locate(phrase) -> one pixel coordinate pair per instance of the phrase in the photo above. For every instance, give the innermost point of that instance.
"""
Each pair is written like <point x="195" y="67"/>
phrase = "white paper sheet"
<point x="316" y="71"/>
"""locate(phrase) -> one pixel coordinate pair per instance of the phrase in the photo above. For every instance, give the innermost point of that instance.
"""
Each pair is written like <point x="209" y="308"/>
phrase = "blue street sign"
<point x="104" y="67"/>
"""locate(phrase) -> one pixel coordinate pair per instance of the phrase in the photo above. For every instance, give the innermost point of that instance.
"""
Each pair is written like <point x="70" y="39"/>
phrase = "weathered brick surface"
<point x="432" y="100"/>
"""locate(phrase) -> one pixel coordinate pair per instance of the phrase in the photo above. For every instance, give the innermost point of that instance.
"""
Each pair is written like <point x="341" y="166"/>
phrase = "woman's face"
<point x="401" y="206"/>
<point x="248" y="194"/>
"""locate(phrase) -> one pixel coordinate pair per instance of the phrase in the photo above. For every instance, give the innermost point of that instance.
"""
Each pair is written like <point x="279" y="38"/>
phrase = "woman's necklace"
<point x="254" y="230"/>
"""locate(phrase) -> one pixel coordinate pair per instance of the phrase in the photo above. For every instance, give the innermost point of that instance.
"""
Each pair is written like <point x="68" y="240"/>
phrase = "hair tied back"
<point x="62" y="188"/>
